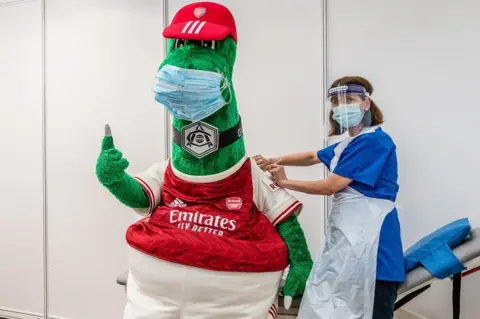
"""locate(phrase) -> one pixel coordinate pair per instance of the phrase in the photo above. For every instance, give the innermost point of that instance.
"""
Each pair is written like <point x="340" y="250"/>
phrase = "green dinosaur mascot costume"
<point x="217" y="232"/>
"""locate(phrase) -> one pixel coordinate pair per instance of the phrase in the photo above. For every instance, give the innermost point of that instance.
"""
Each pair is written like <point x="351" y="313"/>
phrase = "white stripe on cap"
<point x="193" y="26"/>
<point x="186" y="26"/>
<point x="200" y="26"/>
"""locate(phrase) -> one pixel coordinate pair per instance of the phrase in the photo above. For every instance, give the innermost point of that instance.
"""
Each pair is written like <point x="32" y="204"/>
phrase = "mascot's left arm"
<point x="298" y="255"/>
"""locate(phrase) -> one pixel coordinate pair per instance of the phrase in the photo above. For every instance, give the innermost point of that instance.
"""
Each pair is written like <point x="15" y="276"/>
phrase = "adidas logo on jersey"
<point x="177" y="203"/>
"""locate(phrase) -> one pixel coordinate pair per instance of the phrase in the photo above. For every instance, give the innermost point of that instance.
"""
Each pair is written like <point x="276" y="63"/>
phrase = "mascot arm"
<point x="298" y="255"/>
<point x="129" y="191"/>
<point x="134" y="192"/>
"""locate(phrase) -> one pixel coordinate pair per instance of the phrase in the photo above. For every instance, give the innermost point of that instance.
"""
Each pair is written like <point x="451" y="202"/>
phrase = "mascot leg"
<point x="155" y="288"/>
<point x="272" y="313"/>
<point x="232" y="295"/>
<point x="159" y="289"/>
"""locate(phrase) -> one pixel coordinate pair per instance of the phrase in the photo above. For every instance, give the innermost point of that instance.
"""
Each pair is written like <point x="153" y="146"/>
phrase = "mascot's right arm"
<point x="211" y="213"/>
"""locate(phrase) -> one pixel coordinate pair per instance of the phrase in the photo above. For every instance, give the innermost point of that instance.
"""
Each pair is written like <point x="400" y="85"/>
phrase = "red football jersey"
<point x="223" y="222"/>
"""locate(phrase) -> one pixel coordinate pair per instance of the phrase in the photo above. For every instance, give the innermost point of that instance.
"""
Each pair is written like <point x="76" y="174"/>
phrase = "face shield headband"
<point x="348" y="89"/>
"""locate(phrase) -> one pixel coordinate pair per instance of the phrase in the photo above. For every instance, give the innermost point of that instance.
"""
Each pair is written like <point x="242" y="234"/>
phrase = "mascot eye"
<point x="208" y="44"/>
<point x="179" y="43"/>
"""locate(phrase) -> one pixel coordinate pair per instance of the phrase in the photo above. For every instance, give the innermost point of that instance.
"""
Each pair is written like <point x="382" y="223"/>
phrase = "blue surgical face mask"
<point x="190" y="95"/>
<point x="348" y="116"/>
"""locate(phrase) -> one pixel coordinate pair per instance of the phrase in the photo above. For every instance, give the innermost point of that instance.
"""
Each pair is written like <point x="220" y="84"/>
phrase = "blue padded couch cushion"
<point x="434" y="252"/>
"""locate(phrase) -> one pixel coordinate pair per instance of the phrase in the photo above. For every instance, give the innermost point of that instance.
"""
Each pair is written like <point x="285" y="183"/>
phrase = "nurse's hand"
<point x="262" y="162"/>
<point x="278" y="173"/>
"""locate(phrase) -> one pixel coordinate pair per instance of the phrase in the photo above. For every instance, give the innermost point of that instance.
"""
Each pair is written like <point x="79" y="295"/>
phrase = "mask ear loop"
<point x="367" y="116"/>
<point x="226" y="85"/>
<point x="344" y="109"/>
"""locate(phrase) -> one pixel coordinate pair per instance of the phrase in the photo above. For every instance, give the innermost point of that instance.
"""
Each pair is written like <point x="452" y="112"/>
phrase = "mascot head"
<point x="194" y="83"/>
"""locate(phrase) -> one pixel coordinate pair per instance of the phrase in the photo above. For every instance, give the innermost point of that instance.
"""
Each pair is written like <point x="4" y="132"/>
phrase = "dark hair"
<point x="376" y="113"/>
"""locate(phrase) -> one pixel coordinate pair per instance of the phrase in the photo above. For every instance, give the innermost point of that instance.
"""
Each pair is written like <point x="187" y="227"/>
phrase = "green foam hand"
<point x="111" y="164"/>
<point x="295" y="282"/>
<point x="299" y="257"/>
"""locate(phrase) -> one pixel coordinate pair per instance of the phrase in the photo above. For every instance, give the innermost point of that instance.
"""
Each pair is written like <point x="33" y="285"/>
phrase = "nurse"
<point x="358" y="271"/>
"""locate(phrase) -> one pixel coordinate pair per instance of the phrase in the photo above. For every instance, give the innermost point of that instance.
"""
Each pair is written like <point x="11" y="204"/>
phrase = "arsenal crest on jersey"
<point x="233" y="203"/>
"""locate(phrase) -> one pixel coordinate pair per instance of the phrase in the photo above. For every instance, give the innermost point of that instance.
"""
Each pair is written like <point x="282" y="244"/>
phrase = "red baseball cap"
<point x="202" y="21"/>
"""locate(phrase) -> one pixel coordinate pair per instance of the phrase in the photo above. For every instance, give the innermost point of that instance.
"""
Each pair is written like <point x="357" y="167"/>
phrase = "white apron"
<point x="341" y="284"/>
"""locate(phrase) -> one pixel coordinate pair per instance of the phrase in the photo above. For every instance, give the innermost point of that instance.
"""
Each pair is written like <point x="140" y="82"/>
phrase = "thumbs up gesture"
<point x="111" y="165"/>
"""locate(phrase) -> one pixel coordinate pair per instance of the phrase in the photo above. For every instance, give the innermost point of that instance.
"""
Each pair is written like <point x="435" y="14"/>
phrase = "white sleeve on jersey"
<point x="273" y="201"/>
<point x="151" y="181"/>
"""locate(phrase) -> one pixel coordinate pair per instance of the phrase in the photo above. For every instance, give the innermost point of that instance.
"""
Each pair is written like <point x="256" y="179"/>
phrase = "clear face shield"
<point x="349" y="106"/>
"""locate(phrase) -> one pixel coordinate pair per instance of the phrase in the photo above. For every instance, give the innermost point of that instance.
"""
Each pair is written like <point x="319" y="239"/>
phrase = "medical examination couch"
<point x="456" y="239"/>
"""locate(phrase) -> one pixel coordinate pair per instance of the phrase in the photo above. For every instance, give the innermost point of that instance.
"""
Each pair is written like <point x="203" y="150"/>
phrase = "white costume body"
<point x="161" y="289"/>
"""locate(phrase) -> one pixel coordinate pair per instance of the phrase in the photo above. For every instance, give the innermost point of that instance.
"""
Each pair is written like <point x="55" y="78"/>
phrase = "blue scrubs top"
<point x="370" y="160"/>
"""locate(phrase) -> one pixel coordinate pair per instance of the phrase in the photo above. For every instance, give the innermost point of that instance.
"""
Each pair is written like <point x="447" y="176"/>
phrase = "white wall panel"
<point x="421" y="57"/>
<point x="102" y="57"/>
<point x="21" y="272"/>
